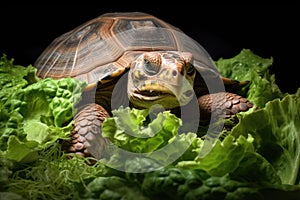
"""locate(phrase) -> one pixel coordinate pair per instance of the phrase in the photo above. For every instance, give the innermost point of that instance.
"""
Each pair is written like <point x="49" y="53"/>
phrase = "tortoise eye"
<point x="190" y="69"/>
<point x="150" y="67"/>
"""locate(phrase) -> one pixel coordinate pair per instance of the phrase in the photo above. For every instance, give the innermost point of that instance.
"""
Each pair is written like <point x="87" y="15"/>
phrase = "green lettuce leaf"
<point x="247" y="66"/>
<point x="140" y="133"/>
<point x="131" y="130"/>
<point x="276" y="131"/>
<point x="34" y="113"/>
<point x="234" y="156"/>
<point x="14" y="77"/>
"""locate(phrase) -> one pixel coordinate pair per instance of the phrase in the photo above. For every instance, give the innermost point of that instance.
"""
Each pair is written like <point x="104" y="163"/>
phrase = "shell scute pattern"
<point x="103" y="45"/>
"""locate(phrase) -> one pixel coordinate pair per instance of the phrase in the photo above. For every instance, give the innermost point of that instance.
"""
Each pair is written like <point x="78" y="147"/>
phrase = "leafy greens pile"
<point x="258" y="158"/>
<point x="34" y="113"/>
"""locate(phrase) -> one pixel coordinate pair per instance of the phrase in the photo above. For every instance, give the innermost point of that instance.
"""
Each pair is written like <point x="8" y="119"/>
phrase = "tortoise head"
<point x="164" y="78"/>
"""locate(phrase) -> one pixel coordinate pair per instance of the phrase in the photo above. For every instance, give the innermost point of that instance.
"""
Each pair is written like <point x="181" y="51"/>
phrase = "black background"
<point x="269" y="30"/>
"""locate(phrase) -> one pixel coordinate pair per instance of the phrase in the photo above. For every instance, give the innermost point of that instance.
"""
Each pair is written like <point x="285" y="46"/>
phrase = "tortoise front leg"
<point x="225" y="105"/>
<point x="86" y="137"/>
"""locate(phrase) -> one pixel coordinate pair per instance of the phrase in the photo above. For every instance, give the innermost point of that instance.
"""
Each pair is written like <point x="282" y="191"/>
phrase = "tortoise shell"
<point x="105" y="46"/>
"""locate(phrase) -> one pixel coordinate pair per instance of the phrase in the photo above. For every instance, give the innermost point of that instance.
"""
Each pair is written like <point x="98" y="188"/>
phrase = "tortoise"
<point x="160" y="63"/>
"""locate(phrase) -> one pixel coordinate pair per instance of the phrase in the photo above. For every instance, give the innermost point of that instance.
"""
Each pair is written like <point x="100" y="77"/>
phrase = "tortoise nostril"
<point x="188" y="93"/>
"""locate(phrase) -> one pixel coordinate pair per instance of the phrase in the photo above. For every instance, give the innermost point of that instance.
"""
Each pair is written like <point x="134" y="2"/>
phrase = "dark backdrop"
<point x="269" y="30"/>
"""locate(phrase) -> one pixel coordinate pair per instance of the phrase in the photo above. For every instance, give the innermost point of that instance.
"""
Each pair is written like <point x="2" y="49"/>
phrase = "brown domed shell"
<point x="106" y="45"/>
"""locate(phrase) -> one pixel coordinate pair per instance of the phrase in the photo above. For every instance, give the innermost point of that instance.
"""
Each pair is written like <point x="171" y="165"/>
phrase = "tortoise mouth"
<point x="148" y="98"/>
<point x="154" y="93"/>
<point x="168" y="96"/>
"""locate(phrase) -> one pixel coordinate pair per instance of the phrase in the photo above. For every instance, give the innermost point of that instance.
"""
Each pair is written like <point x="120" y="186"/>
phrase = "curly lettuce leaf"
<point x="276" y="130"/>
<point x="14" y="77"/>
<point x="234" y="156"/>
<point x="34" y="112"/>
<point x="139" y="133"/>
<point x="129" y="129"/>
<point x="247" y="66"/>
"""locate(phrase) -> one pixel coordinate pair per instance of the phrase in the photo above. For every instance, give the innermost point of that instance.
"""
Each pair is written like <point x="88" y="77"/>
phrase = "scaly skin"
<point x="87" y="132"/>
<point x="226" y="105"/>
